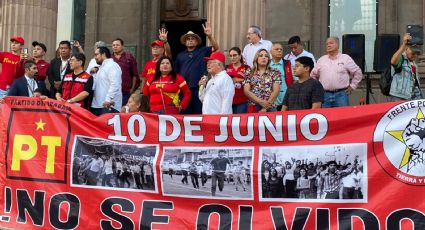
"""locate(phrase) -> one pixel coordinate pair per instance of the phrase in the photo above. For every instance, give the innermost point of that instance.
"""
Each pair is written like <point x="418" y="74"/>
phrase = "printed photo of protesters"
<point x="321" y="173"/>
<point x="111" y="165"/>
<point x="222" y="173"/>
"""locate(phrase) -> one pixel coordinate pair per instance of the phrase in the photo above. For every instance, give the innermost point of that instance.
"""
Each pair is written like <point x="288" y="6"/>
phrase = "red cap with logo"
<point x="157" y="43"/>
<point x="18" y="39"/>
<point x="216" y="56"/>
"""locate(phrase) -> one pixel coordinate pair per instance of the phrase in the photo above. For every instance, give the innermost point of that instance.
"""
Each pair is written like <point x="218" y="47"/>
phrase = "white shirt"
<point x="108" y="167"/>
<point x="250" y="50"/>
<point x="64" y="64"/>
<point x="118" y="166"/>
<point x="135" y="169"/>
<point x="147" y="169"/>
<point x="217" y="97"/>
<point x="108" y="85"/>
<point x="291" y="57"/>
<point x="96" y="165"/>
<point x="92" y="64"/>
<point x="32" y="85"/>
<point x="352" y="179"/>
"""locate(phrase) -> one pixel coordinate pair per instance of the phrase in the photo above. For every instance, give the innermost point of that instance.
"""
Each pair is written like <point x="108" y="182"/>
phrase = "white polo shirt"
<point x="217" y="97"/>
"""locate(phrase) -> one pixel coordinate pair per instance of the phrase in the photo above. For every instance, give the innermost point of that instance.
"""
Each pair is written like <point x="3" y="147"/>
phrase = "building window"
<point x="355" y="17"/>
<point x="79" y="21"/>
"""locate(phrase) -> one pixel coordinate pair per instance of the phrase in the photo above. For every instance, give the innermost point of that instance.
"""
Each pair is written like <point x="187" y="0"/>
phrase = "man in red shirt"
<point x="42" y="66"/>
<point x="128" y="64"/>
<point x="158" y="49"/>
<point x="11" y="65"/>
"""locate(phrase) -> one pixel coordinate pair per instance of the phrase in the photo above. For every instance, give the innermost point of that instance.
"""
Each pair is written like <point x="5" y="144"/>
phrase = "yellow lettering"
<point x="51" y="142"/>
<point x="20" y="154"/>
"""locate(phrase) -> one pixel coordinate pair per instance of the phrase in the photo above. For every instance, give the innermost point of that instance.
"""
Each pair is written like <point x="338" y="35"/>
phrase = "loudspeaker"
<point x="417" y="34"/>
<point x="353" y="45"/>
<point x="385" y="46"/>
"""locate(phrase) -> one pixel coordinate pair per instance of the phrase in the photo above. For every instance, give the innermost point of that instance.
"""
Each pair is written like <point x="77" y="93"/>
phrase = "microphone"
<point x="202" y="87"/>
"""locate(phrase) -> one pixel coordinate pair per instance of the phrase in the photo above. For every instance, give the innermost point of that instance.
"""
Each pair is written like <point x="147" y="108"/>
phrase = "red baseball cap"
<point x="18" y="39"/>
<point x="216" y="56"/>
<point x="157" y="43"/>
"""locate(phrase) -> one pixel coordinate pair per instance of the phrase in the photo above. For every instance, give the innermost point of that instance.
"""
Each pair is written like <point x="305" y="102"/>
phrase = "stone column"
<point x="34" y="20"/>
<point x="230" y="20"/>
<point x="421" y="58"/>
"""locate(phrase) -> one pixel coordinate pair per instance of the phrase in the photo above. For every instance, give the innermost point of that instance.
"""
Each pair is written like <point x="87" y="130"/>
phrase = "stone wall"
<point x="30" y="19"/>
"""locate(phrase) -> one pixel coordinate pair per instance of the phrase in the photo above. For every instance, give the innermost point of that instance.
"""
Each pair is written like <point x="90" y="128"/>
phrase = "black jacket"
<point x="20" y="88"/>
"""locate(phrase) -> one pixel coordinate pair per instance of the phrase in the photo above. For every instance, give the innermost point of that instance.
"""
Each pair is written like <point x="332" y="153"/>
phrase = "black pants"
<point x="217" y="176"/>
<point x="204" y="178"/>
<point x="332" y="195"/>
<point x="137" y="181"/>
<point x="184" y="180"/>
<point x="91" y="178"/>
<point x="194" y="179"/>
<point x="106" y="180"/>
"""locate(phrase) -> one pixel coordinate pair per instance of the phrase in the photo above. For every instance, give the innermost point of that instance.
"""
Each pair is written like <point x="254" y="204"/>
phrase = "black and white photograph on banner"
<point x="112" y="165"/>
<point x="326" y="173"/>
<point x="222" y="173"/>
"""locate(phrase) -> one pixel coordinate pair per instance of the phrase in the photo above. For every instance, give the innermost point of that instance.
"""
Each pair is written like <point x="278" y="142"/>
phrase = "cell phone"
<point x="25" y="50"/>
<point x="72" y="42"/>
<point x="416" y="32"/>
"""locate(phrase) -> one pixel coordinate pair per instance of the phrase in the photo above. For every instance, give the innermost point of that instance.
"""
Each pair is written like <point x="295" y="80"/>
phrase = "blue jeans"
<point x="271" y="109"/>
<point x="100" y="111"/>
<point x="336" y="99"/>
<point x="3" y="93"/>
<point x="195" y="105"/>
<point x="240" y="108"/>
<point x="125" y="97"/>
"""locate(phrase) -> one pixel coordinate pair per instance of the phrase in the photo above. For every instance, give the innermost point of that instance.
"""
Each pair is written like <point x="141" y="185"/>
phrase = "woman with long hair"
<point x="165" y="88"/>
<point x="275" y="185"/>
<point x="262" y="84"/>
<point x="236" y="70"/>
<point x="303" y="184"/>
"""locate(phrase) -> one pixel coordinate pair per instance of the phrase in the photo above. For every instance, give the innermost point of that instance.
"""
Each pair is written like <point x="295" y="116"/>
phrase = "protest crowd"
<point x="258" y="78"/>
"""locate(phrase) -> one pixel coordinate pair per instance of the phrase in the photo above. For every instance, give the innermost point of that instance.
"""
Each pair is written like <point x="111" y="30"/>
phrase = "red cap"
<point x="157" y="43"/>
<point x="18" y="39"/>
<point x="216" y="56"/>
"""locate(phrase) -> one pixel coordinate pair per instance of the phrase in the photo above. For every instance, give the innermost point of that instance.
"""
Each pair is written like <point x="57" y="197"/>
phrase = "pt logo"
<point x="37" y="145"/>
<point x="399" y="142"/>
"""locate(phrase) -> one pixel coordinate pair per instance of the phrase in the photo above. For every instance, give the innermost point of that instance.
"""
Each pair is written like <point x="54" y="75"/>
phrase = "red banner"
<point x="344" y="168"/>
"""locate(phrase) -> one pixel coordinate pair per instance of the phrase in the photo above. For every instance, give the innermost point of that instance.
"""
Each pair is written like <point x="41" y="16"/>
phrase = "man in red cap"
<point x="158" y="49"/>
<point x="11" y="64"/>
<point x="218" y="92"/>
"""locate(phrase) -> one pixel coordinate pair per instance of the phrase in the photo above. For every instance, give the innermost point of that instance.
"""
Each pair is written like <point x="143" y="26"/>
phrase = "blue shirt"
<point x="191" y="65"/>
<point x="283" y="86"/>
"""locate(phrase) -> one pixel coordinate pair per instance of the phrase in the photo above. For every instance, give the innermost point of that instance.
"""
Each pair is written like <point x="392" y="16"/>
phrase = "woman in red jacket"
<point x="165" y="88"/>
<point x="236" y="70"/>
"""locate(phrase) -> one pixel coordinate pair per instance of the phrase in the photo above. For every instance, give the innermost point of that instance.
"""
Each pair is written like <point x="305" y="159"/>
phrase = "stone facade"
<point x="34" y="20"/>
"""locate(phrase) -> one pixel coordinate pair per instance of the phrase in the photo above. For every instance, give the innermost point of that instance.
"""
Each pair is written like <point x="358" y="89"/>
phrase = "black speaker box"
<point x="385" y="46"/>
<point x="354" y="46"/>
<point x="417" y="34"/>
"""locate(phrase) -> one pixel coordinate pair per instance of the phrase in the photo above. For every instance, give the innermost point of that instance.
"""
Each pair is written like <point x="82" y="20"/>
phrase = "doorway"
<point x="177" y="28"/>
